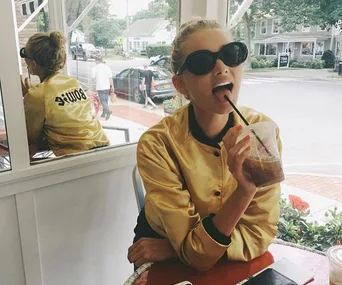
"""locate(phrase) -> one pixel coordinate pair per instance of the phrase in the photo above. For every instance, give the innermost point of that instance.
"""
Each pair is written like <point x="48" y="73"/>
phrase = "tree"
<point x="156" y="9"/>
<point x="172" y="12"/>
<point x="105" y="31"/>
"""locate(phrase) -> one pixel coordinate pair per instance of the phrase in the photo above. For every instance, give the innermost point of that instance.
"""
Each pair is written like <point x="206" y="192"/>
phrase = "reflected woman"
<point x="57" y="109"/>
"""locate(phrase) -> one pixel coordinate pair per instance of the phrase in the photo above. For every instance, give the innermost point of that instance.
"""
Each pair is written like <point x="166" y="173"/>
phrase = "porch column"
<point x="57" y="22"/>
<point x="314" y="50"/>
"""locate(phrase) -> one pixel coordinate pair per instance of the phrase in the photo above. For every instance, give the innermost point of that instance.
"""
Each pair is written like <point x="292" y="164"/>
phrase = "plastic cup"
<point x="334" y="255"/>
<point x="263" y="163"/>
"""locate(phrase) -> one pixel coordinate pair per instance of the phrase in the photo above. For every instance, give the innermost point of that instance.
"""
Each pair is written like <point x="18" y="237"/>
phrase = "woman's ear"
<point x="179" y="85"/>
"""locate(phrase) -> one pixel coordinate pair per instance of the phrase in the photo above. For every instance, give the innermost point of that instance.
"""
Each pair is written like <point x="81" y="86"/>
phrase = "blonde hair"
<point x="186" y="30"/>
<point x="48" y="51"/>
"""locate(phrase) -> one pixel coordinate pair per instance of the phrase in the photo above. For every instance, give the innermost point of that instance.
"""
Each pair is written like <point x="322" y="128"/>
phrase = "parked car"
<point x="85" y="50"/>
<point x="163" y="62"/>
<point x="127" y="83"/>
<point x="153" y="59"/>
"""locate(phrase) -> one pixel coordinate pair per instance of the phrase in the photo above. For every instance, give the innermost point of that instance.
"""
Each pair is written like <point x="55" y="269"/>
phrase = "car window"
<point x="161" y="62"/>
<point x="161" y="74"/>
<point x="88" y="46"/>
<point x="124" y="73"/>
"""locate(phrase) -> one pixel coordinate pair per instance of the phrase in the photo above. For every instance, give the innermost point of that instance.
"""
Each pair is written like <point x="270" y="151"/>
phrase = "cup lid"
<point x="335" y="254"/>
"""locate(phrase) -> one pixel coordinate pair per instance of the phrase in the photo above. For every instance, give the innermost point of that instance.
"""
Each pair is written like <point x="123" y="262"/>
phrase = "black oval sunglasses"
<point x="23" y="54"/>
<point x="202" y="62"/>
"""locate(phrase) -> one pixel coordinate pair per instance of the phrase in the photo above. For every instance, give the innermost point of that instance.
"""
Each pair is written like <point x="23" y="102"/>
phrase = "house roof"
<point x="283" y="38"/>
<point x="144" y="27"/>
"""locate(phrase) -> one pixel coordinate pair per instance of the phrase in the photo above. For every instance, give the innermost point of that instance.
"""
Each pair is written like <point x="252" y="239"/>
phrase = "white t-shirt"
<point x="102" y="73"/>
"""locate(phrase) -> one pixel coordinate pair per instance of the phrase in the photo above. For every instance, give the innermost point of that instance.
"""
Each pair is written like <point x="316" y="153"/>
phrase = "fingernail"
<point x="247" y="137"/>
<point x="239" y="127"/>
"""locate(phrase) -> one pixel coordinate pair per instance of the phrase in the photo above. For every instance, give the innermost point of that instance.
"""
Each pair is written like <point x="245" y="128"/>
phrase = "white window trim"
<point x="337" y="42"/>
<point x="273" y="26"/>
<point x="305" y="31"/>
<point x="260" y="49"/>
<point x="261" y="33"/>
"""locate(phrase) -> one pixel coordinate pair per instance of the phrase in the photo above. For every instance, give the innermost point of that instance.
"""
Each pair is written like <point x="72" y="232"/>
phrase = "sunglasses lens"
<point x="201" y="63"/>
<point x="234" y="54"/>
<point x="22" y="52"/>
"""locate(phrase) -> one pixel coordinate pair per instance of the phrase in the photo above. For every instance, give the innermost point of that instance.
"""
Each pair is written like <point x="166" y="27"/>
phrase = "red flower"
<point x="298" y="203"/>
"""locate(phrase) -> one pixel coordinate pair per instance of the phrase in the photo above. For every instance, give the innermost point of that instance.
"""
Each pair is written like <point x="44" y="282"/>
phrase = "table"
<point x="229" y="273"/>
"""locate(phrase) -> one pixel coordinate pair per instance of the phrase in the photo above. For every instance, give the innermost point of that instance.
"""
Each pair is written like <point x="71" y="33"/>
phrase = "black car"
<point x="127" y="83"/>
<point x="163" y="62"/>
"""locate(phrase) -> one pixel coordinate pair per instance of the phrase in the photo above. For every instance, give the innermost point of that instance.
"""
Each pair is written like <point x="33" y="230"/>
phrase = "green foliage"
<point x="156" y="9"/>
<point x="105" y="31"/>
<point x="42" y="21"/>
<point x="313" y="64"/>
<point x="262" y="62"/>
<point x="294" y="226"/>
<point x="154" y="50"/>
<point x="329" y="59"/>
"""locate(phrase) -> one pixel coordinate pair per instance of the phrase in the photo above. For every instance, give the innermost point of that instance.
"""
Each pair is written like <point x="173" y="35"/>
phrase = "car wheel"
<point x="138" y="97"/>
<point x="74" y="57"/>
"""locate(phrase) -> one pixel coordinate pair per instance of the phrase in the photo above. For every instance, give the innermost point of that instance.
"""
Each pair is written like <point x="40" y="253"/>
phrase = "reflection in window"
<point x="275" y="29"/>
<point x="319" y="48"/>
<point x="268" y="49"/>
<point x="5" y="163"/>
<point x="307" y="48"/>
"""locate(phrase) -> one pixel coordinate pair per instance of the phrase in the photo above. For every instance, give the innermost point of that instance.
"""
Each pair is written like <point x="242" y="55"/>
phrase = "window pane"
<point x="307" y="48"/>
<point x="275" y="26"/>
<point x="271" y="49"/>
<point x="125" y="43"/>
<point x="263" y="27"/>
<point x="262" y="49"/>
<point x="319" y="48"/>
<point x="5" y="162"/>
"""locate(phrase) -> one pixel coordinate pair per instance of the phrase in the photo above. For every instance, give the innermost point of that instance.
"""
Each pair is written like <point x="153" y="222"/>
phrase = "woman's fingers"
<point x="240" y="159"/>
<point x="236" y="149"/>
<point x="229" y="139"/>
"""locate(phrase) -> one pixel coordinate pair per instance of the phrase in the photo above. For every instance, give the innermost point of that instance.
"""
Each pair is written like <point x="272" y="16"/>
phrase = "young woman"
<point x="200" y="205"/>
<point x="58" y="108"/>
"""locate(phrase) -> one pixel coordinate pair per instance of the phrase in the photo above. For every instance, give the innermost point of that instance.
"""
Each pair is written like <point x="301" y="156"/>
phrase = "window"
<point x="5" y="163"/>
<point x="321" y="29"/>
<point x="263" y="27"/>
<point x="319" y="50"/>
<point x="275" y="27"/>
<point x="307" y="48"/>
<point x="338" y="49"/>
<point x="268" y="49"/>
<point x="306" y="28"/>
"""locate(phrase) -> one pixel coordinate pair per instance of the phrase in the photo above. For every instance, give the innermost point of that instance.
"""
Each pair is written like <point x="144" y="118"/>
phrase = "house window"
<point x="338" y="49"/>
<point x="263" y="27"/>
<point x="320" y="29"/>
<point x="268" y="49"/>
<point x="275" y="27"/>
<point x="130" y="45"/>
<point x="319" y="48"/>
<point x="306" y="28"/>
<point x="307" y="48"/>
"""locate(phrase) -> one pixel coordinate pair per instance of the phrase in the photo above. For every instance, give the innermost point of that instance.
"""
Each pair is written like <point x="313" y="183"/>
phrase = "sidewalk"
<point x="313" y="74"/>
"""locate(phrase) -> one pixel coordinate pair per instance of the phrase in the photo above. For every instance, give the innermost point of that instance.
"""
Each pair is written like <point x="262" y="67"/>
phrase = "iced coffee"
<point x="263" y="163"/>
<point x="334" y="255"/>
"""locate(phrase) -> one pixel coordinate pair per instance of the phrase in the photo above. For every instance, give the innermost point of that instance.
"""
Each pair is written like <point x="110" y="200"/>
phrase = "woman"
<point x="58" y="107"/>
<point x="200" y="206"/>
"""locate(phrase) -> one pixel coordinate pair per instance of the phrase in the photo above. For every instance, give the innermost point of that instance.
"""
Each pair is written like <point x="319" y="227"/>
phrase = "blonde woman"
<point x="57" y="109"/>
<point x="200" y="205"/>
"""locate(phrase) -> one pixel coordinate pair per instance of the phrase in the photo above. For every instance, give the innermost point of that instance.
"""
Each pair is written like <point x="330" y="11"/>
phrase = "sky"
<point x="118" y="7"/>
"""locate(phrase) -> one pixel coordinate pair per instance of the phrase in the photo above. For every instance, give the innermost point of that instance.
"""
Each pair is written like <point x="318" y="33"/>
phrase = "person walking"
<point x="102" y="74"/>
<point x="147" y="86"/>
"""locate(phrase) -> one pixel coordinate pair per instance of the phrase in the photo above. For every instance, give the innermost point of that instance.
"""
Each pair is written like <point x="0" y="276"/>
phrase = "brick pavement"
<point x="329" y="187"/>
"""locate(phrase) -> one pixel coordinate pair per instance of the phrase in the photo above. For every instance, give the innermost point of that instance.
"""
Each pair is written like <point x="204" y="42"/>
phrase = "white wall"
<point x="75" y="217"/>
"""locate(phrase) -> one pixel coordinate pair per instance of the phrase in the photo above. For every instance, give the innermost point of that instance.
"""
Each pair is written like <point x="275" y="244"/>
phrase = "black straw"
<point x="247" y="124"/>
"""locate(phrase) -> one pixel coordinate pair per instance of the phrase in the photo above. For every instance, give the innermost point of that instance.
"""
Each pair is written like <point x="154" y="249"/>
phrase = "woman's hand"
<point x="237" y="153"/>
<point x="150" y="250"/>
<point x="25" y="85"/>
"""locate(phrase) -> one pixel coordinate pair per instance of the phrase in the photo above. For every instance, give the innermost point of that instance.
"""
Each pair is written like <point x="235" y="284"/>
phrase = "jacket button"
<point x="217" y="193"/>
<point x="216" y="153"/>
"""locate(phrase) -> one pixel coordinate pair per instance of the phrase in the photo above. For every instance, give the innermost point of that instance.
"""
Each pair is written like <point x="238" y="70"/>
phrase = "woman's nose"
<point x="220" y="68"/>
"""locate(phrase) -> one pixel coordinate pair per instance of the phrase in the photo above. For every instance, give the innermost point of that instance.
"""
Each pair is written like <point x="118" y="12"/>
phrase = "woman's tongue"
<point x="221" y="93"/>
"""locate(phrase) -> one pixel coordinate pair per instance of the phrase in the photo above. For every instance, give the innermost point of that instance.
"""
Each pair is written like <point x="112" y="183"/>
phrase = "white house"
<point x="146" y="32"/>
<point x="77" y="35"/>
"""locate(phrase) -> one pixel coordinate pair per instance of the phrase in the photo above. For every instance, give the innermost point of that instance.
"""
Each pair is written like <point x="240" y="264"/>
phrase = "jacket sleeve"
<point x="169" y="209"/>
<point x="257" y="228"/>
<point x="34" y="114"/>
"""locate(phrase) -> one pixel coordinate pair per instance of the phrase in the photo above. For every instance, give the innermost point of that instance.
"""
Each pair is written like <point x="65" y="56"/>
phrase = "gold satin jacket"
<point x="59" y="107"/>
<point x="182" y="177"/>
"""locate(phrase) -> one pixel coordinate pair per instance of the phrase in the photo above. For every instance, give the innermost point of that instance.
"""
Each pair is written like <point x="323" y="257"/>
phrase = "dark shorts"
<point x="148" y="91"/>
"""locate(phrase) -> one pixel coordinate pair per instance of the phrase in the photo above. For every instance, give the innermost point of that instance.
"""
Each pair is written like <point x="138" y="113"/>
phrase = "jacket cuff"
<point x="214" y="233"/>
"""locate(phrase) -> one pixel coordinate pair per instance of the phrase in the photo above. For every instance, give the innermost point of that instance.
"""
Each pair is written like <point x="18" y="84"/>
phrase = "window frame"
<point x="275" y="20"/>
<point x="263" y="21"/>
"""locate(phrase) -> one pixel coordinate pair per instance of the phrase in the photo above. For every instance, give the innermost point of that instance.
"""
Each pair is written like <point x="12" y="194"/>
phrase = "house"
<point x="145" y="32"/>
<point x="306" y="43"/>
<point x="77" y="36"/>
